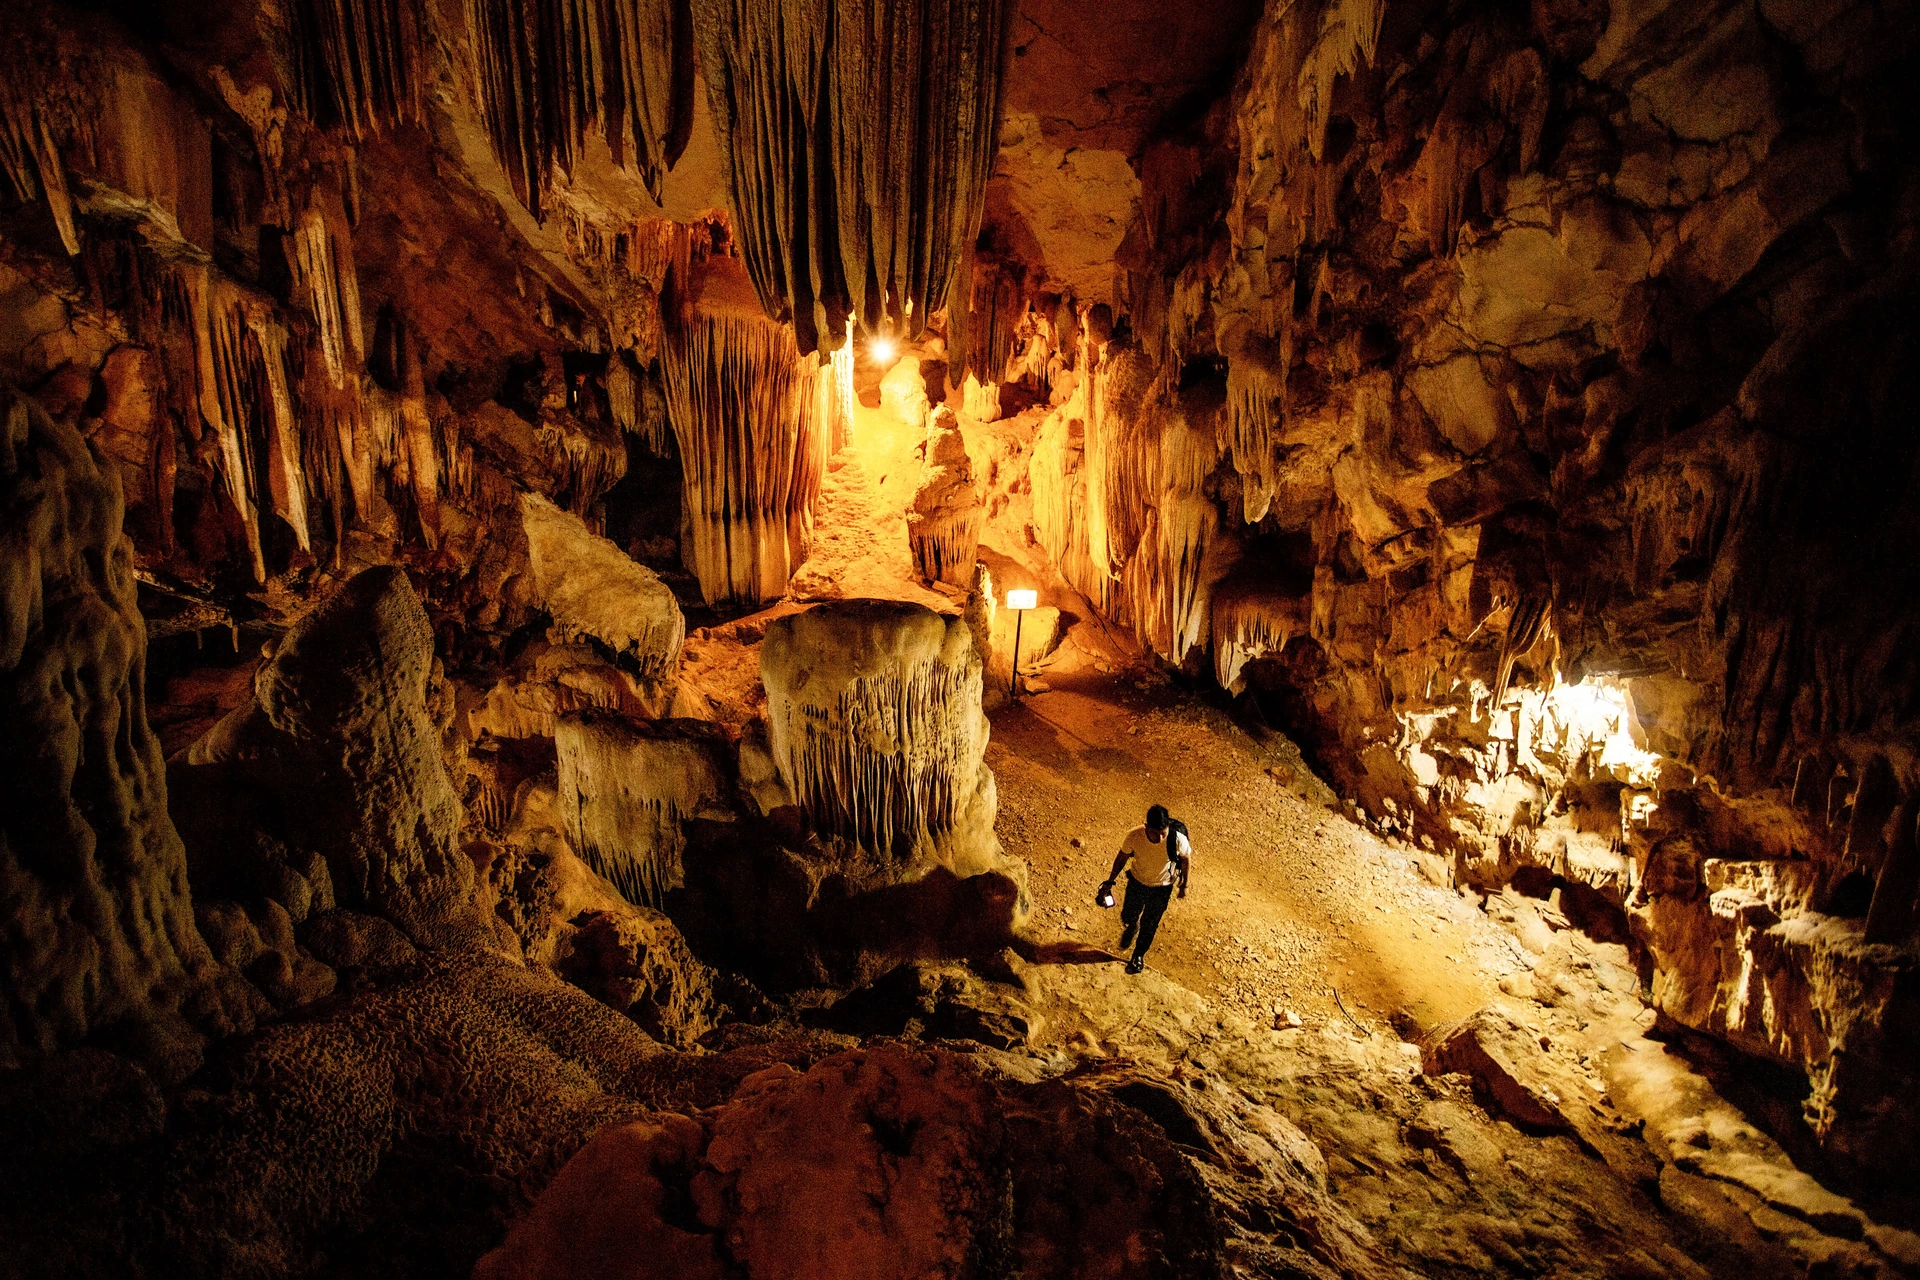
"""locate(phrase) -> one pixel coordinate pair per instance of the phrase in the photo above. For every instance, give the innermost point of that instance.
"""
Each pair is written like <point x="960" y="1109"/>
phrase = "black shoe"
<point x="1136" y="964"/>
<point x="1126" y="938"/>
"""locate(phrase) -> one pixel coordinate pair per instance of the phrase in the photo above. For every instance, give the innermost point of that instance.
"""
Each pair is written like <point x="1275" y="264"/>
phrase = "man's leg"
<point x="1153" y="906"/>
<point x="1130" y="909"/>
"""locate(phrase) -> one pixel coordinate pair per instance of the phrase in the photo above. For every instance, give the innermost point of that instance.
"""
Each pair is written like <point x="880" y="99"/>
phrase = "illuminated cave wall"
<point x="1512" y="402"/>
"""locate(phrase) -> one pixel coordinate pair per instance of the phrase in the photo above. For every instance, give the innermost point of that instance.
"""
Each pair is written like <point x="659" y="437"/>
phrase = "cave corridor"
<point x="589" y="590"/>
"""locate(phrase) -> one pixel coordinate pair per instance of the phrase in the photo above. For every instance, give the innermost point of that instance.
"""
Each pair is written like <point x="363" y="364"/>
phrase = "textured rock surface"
<point x="340" y="755"/>
<point x="97" y="925"/>
<point x="944" y="523"/>
<point x="896" y="1161"/>
<point x="592" y="589"/>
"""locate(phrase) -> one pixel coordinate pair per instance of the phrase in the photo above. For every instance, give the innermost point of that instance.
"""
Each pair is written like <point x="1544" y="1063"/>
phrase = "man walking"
<point x="1160" y="853"/>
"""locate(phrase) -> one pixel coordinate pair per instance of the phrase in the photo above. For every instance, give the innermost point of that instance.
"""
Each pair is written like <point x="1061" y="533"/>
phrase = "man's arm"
<point x="1119" y="863"/>
<point x="1185" y="863"/>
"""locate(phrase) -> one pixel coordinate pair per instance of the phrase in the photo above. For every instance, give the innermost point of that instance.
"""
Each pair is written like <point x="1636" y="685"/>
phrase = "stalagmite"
<point x="95" y="922"/>
<point x="859" y="139"/>
<point x="591" y="588"/>
<point x="627" y="788"/>
<point x="550" y="70"/>
<point x="877" y="731"/>
<point x="745" y="409"/>
<point x="944" y="523"/>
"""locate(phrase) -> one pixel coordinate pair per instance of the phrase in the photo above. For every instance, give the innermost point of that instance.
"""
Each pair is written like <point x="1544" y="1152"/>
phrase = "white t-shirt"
<point x="1151" y="865"/>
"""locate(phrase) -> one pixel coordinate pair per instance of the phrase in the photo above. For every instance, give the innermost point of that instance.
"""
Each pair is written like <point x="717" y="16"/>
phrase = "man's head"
<point x="1157" y="821"/>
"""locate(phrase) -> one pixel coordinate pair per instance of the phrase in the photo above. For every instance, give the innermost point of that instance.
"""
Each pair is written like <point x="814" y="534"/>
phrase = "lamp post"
<point x="1020" y="602"/>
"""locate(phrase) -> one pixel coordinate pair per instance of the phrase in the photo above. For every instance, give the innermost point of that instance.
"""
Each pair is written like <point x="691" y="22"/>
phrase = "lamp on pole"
<point x="1020" y="602"/>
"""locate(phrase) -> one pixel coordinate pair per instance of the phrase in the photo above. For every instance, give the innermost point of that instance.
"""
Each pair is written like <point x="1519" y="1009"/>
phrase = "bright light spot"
<point x="1594" y="715"/>
<point x="882" y="350"/>
<point x="1022" y="599"/>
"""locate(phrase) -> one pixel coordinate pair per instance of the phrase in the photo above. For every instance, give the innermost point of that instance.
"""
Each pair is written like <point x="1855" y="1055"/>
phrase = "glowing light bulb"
<point x="882" y="350"/>
<point x="1022" y="599"/>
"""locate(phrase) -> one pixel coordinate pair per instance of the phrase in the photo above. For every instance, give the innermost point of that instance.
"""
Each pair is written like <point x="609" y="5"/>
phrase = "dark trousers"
<point x="1144" y="906"/>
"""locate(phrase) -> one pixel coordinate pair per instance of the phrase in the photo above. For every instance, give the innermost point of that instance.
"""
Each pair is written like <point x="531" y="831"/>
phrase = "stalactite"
<point x="587" y="459"/>
<point x="1250" y="428"/>
<point x="744" y="409"/>
<point x="322" y="263"/>
<point x="874" y="709"/>
<point x="996" y="305"/>
<point x="30" y="158"/>
<point x="1524" y="628"/>
<point x="943" y="525"/>
<point x="550" y="70"/>
<point x="1164" y="592"/>
<point x="1120" y="502"/>
<point x="859" y="138"/>
<point x="286" y="459"/>
<point x="625" y="795"/>
<point x="1252" y="617"/>
<point x="357" y="64"/>
<point x="1349" y="30"/>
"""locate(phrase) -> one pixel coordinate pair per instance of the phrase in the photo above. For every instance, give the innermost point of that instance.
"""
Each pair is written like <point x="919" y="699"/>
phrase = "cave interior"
<point x="588" y="589"/>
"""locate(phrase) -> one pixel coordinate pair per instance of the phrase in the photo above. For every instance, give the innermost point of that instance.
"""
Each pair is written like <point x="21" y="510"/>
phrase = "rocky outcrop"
<point x="98" y="929"/>
<point x="895" y="1161"/>
<point x="592" y="589"/>
<point x="340" y="755"/>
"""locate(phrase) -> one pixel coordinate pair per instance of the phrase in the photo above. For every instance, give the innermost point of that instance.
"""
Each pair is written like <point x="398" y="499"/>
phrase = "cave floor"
<point x="1292" y="906"/>
<point x="1570" y="1142"/>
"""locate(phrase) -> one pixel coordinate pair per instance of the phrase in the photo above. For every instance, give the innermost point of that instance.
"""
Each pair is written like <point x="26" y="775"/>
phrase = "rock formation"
<point x="877" y="731"/>
<point x="821" y="111"/>
<point x="626" y="793"/>
<point x="467" y="424"/>
<point x="749" y="413"/>
<point x="339" y="754"/>
<point x="591" y="589"/>
<point x="98" y="927"/>
<point x="944" y="524"/>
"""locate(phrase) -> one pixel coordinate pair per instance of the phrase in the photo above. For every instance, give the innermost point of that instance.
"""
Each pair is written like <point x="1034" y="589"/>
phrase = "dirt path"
<point x="1290" y="900"/>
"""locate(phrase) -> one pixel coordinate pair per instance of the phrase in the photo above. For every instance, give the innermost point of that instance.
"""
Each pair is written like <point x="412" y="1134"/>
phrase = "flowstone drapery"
<point x="751" y="415"/>
<point x="876" y="727"/>
<point x="860" y="136"/>
<point x="625" y="791"/>
<point x="943" y="525"/>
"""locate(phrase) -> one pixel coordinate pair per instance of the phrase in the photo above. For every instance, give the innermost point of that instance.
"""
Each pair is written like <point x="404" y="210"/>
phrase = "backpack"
<point x="1175" y="826"/>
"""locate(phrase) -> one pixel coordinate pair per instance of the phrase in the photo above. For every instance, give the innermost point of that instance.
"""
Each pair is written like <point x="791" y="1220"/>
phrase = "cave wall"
<point x="1513" y="399"/>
